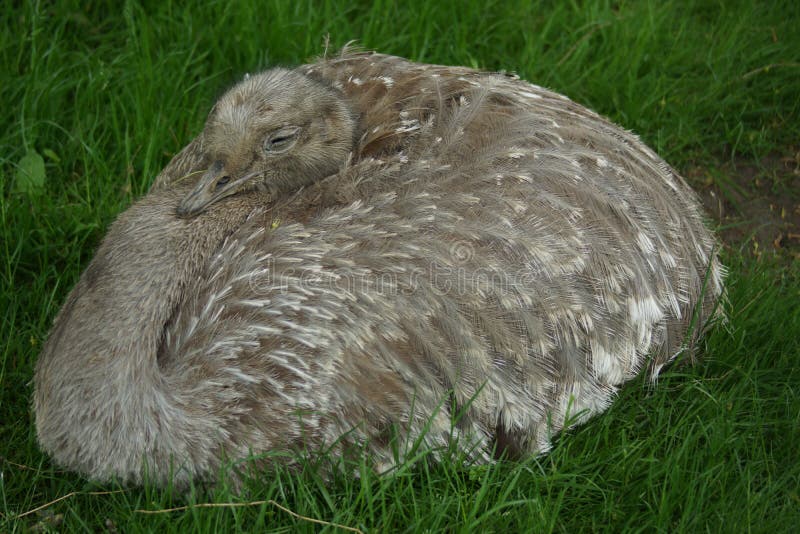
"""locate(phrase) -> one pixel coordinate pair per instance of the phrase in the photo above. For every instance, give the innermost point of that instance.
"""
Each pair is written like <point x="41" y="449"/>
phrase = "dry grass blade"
<point x="767" y="68"/>
<point x="251" y="503"/>
<point x="19" y="466"/>
<point x="67" y="496"/>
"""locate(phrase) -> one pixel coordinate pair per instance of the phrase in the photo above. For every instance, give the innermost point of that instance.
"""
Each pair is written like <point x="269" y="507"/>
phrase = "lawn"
<point x="97" y="99"/>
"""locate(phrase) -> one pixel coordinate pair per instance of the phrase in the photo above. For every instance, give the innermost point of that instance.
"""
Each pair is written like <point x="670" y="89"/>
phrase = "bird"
<point x="478" y="263"/>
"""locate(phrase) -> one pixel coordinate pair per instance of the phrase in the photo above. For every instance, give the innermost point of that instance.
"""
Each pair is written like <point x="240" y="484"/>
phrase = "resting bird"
<point x="487" y="265"/>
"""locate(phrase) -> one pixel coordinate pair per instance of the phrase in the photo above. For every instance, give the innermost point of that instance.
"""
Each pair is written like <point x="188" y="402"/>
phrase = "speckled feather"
<point x="491" y="262"/>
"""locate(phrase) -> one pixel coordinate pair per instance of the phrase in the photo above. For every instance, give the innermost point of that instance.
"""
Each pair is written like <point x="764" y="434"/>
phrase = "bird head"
<point x="276" y="131"/>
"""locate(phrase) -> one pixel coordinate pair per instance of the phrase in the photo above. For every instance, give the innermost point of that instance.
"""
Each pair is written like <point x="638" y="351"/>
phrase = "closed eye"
<point x="281" y="140"/>
<point x="278" y="140"/>
<point x="221" y="182"/>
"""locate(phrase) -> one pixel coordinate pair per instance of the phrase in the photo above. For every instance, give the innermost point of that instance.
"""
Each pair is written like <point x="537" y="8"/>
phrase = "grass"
<point x="106" y="96"/>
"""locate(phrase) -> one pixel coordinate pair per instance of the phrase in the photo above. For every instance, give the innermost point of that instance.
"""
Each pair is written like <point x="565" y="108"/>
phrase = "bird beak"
<point x="214" y="185"/>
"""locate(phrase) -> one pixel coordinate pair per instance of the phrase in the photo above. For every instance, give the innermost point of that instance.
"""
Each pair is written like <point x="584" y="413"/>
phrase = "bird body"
<point x="487" y="264"/>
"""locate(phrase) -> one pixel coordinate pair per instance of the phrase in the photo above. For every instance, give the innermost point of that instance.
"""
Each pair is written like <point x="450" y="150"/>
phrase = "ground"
<point x="755" y="203"/>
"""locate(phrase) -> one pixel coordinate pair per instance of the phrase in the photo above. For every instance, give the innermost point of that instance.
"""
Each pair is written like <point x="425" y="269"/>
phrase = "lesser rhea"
<point x="472" y="260"/>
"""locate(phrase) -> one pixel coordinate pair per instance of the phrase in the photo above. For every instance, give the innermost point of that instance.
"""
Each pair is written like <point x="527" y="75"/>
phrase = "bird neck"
<point x="100" y="366"/>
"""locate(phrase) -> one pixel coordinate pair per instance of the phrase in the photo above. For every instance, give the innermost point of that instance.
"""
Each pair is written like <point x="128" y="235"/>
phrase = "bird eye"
<point x="221" y="182"/>
<point x="281" y="140"/>
<point x="276" y="141"/>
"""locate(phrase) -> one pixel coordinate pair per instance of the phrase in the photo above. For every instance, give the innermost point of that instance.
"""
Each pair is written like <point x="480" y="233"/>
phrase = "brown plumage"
<point x="489" y="262"/>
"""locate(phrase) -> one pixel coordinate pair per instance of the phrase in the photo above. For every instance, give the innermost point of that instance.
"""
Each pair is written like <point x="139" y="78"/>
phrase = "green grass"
<point x="107" y="95"/>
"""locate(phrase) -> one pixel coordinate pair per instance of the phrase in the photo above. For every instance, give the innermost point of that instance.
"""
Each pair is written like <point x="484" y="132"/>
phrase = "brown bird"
<point x="486" y="263"/>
